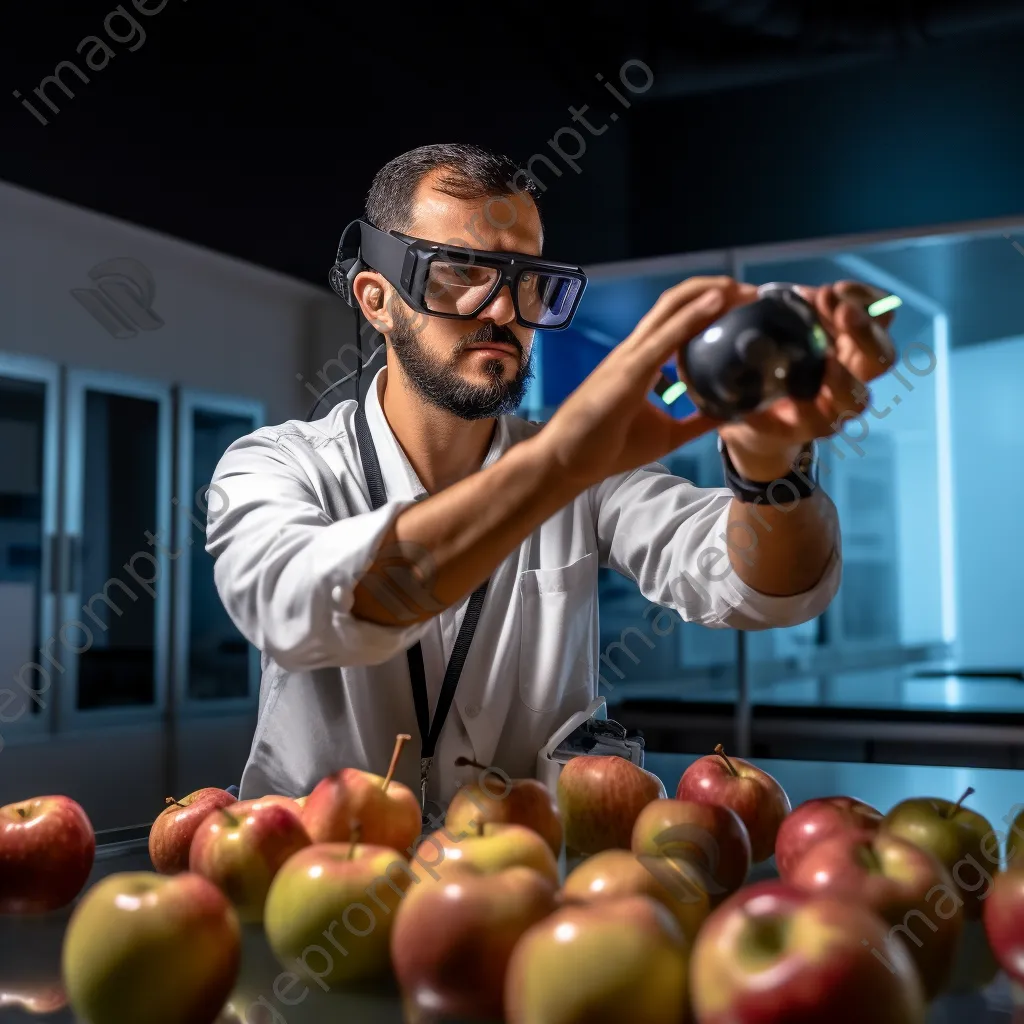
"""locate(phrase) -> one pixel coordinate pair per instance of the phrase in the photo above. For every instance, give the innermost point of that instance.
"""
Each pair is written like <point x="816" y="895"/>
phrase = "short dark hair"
<point x="470" y="172"/>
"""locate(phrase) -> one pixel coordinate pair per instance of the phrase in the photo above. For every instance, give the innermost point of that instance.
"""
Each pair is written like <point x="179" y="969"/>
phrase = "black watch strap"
<point x="800" y="482"/>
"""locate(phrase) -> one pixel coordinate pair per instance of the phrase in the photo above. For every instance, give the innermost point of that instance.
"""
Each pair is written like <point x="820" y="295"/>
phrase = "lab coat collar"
<point x="400" y="479"/>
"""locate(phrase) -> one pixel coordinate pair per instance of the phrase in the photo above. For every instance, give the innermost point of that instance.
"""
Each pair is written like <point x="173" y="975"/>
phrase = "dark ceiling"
<point x="255" y="128"/>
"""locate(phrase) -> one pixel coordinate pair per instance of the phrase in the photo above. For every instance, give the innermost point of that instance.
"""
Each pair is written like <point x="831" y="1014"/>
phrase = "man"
<point x="308" y="564"/>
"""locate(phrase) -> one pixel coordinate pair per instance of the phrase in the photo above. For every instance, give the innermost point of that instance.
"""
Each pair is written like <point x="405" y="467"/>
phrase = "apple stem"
<point x="400" y="742"/>
<point x="355" y="835"/>
<point x="720" y="751"/>
<point x="468" y="762"/>
<point x="231" y="819"/>
<point x="956" y="807"/>
<point x="23" y="811"/>
<point x="169" y="800"/>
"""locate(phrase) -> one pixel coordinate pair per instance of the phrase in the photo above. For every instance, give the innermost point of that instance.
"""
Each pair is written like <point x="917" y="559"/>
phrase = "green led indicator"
<point x="886" y="305"/>
<point x="673" y="392"/>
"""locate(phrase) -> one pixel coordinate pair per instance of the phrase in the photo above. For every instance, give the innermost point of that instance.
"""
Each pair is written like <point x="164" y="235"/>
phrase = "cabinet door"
<point x="117" y="517"/>
<point x="214" y="665"/>
<point x="29" y="505"/>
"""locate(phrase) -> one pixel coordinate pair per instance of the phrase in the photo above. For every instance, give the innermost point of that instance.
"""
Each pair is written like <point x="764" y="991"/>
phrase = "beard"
<point x="440" y="383"/>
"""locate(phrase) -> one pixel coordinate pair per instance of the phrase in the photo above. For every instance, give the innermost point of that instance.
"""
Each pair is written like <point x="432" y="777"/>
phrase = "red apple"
<point x="903" y="884"/>
<point x="47" y="848"/>
<point x="241" y="848"/>
<point x="518" y="802"/>
<point x="818" y="819"/>
<point x="146" y="947"/>
<point x="613" y="874"/>
<point x="1003" y="917"/>
<point x="452" y="942"/>
<point x="772" y="954"/>
<point x="386" y="812"/>
<point x="600" y="798"/>
<point x="170" y="837"/>
<point x="710" y="837"/>
<point x="338" y="900"/>
<point x="753" y="794"/>
<point x="620" y="960"/>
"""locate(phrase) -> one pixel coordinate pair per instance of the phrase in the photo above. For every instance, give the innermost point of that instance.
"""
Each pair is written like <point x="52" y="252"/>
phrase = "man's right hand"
<point x="608" y="424"/>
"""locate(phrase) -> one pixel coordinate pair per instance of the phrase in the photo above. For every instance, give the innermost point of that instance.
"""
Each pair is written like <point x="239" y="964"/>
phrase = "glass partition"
<point x="214" y="663"/>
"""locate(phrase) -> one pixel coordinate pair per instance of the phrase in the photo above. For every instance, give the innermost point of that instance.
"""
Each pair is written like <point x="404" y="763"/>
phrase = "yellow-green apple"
<point x="240" y="848"/>
<point x="903" y="884"/>
<point x="818" y="819"/>
<point x="170" y="836"/>
<point x="956" y="835"/>
<point x="712" y="838"/>
<point x="1003" y="916"/>
<point x="620" y="960"/>
<point x="147" y="947"/>
<point x="518" y="802"/>
<point x="750" y="791"/>
<point x="600" y="797"/>
<point x="47" y="848"/>
<point x="451" y="942"/>
<point x="333" y="895"/>
<point x="387" y="813"/>
<point x="494" y="848"/>
<point x="773" y="954"/>
<point x="613" y="874"/>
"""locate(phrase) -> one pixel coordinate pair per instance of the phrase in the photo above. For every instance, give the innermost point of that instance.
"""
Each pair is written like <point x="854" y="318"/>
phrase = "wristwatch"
<point x="800" y="482"/>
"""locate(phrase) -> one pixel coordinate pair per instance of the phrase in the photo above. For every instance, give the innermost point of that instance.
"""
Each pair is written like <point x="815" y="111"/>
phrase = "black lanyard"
<point x="430" y="732"/>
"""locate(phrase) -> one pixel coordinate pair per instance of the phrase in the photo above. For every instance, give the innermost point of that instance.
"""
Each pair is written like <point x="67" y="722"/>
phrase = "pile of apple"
<point x="654" y="921"/>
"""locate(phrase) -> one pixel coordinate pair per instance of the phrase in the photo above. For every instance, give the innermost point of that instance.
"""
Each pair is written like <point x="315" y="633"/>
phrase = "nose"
<point x="500" y="309"/>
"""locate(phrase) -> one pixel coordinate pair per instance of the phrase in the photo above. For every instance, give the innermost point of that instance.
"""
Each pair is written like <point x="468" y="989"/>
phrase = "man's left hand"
<point x="765" y="445"/>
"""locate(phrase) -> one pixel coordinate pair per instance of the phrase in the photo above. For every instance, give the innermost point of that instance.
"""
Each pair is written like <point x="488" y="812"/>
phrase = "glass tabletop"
<point x="267" y="993"/>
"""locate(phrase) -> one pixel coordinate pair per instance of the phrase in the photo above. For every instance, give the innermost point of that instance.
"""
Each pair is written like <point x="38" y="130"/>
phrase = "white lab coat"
<point x="292" y="531"/>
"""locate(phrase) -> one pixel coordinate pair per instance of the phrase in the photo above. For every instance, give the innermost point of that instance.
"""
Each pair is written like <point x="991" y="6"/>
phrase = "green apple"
<point x="154" y="948"/>
<point x="616" y="960"/>
<point x="330" y="910"/>
<point x="955" y="835"/>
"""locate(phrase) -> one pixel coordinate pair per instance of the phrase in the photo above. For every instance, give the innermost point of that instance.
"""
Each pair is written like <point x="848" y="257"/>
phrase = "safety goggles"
<point x="459" y="283"/>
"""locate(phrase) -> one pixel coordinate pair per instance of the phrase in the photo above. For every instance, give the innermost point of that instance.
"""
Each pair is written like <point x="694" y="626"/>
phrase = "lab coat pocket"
<point x="559" y="622"/>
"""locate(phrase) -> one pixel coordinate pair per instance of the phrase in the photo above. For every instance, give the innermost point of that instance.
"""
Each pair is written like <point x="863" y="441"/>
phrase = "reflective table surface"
<point x="265" y="994"/>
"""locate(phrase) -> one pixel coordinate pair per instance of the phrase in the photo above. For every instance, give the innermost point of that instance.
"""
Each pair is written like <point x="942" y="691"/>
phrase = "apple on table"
<point x="600" y="797"/>
<point x="387" y="812"/>
<point x="956" y="835"/>
<point x="171" y="835"/>
<point x="711" y="838"/>
<point x="451" y="943"/>
<point x="1003" y="917"/>
<point x="491" y="800"/>
<point x="614" y="874"/>
<point x="903" y="884"/>
<point x="819" y="819"/>
<point x="773" y="954"/>
<point x="155" y="948"/>
<point x="47" y="849"/>
<point x="241" y="847"/>
<point x="494" y="848"/>
<point x="751" y="792"/>
<point x="336" y="894"/>
<point x="617" y="960"/>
